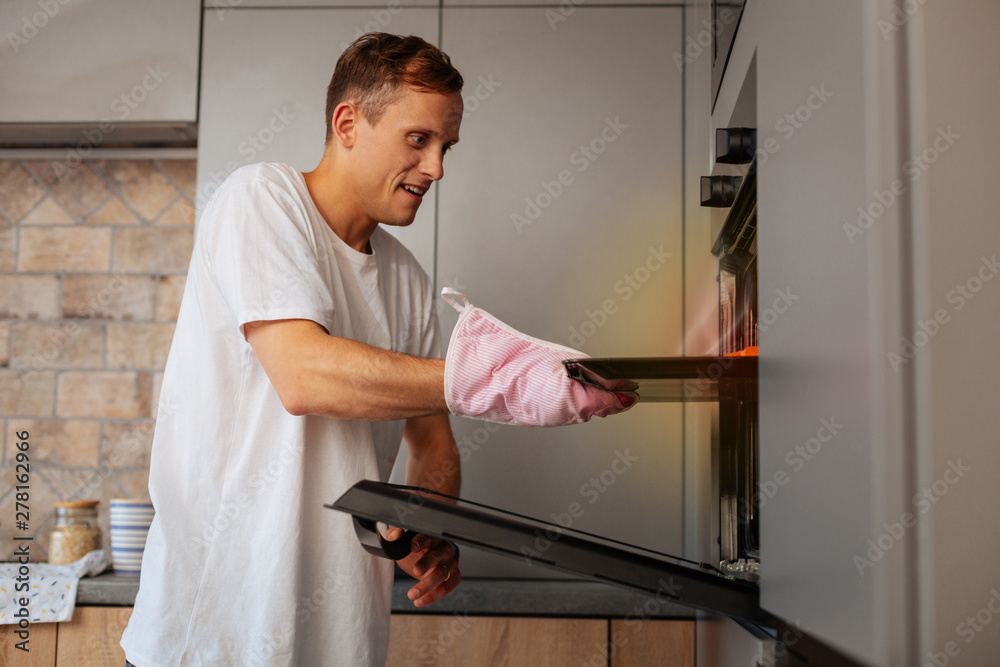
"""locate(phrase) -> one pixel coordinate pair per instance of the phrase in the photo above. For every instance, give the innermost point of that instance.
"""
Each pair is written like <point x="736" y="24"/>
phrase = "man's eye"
<point x="420" y="141"/>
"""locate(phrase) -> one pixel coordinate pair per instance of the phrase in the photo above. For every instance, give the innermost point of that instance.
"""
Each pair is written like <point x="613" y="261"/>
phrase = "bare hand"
<point x="434" y="565"/>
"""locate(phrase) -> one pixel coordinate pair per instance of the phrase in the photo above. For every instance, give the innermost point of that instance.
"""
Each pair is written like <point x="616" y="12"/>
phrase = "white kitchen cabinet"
<point x="877" y="384"/>
<point x="560" y="212"/>
<point x="224" y="7"/>
<point x="263" y="93"/>
<point x="113" y="61"/>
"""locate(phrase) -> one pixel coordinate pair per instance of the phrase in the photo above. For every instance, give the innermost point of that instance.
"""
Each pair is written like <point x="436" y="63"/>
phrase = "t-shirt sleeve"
<point x="430" y="342"/>
<point x="264" y="257"/>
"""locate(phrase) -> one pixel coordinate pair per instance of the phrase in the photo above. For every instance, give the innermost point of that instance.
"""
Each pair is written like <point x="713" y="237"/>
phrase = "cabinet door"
<point x="91" y="638"/>
<point x="834" y="453"/>
<point x="263" y="94"/>
<point x="88" y="62"/>
<point x="635" y="643"/>
<point x="560" y="213"/>
<point x="41" y="645"/>
<point x="459" y="640"/>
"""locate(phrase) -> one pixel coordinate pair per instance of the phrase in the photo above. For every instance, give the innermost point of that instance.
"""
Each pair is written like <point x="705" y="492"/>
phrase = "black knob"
<point x="719" y="191"/>
<point x="735" y="145"/>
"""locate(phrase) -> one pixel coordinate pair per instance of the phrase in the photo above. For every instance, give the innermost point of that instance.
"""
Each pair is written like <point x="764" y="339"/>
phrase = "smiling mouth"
<point x="414" y="190"/>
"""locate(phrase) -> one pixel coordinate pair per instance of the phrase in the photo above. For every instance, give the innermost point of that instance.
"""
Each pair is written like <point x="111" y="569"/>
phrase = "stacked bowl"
<point x="130" y="521"/>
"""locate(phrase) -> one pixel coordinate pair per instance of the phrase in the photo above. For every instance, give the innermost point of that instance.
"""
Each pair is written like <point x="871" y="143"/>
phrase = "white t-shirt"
<point x="243" y="564"/>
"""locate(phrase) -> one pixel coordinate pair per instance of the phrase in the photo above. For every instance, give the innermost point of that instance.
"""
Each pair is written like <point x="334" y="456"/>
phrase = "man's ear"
<point x="344" y="123"/>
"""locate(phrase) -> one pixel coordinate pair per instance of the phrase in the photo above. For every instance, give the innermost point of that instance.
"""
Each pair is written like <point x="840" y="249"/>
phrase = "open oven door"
<point x="477" y="526"/>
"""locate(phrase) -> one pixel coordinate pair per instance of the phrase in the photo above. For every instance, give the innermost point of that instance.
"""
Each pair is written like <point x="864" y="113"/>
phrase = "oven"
<point x="730" y="191"/>
<point x="729" y="585"/>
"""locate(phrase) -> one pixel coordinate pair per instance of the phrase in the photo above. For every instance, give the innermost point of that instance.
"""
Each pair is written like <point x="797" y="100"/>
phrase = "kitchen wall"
<point x="93" y="256"/>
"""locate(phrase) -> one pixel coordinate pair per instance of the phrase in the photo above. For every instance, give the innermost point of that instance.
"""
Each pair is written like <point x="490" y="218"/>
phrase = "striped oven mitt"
<point x="496" y="373"/>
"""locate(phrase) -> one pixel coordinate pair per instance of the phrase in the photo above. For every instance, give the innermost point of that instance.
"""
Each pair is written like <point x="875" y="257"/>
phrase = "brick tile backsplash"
<point x="79" y="189"/>
<point x="142" y="185"/>
<point x="103" y="395"/>
<point x="60" y="442"/>
<point x="142" y="346"/>
<point x="114" y="296"/>
<point x="113" y="212"/>
<point x="49" y="212"/>
<point x="127" y="444"/>
<point x="156" y="250"/>
<point x="27" y="393"/>
<point x="168" y="300"/>
<point x="4" y="343"/>
<point x="8" y="257"/>
<point x="19" y="193"/>
<point x="64" y="249"/>
<point x="68" y="344"/>
<point x="29" y="297"/>
<point x="93" y="260"/>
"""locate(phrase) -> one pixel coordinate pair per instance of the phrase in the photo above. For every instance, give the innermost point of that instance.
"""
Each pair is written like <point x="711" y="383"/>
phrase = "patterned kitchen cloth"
<point x="51" y="589"/>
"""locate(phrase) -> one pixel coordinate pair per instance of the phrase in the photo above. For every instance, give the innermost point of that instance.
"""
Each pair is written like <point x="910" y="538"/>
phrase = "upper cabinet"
<point x="100" y="63"/>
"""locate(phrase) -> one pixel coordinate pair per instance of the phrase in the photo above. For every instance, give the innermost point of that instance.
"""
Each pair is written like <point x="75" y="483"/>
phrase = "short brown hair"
<point x="372" y="71"/>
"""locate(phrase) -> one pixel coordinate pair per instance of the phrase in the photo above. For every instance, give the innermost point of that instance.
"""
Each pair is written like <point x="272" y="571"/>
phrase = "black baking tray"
<point x="665" y="379"/>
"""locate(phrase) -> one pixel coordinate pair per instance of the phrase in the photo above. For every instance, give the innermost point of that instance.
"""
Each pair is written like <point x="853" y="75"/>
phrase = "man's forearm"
<point x="315" y="373"/>
<point x="434" y="461"/>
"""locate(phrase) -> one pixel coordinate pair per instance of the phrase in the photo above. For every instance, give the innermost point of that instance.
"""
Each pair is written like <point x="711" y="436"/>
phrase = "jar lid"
<point x="130" y="501"/>
<point x="77" y="503"/>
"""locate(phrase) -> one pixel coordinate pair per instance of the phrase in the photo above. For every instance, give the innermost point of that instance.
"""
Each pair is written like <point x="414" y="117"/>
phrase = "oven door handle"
<point x="375" y="544"/>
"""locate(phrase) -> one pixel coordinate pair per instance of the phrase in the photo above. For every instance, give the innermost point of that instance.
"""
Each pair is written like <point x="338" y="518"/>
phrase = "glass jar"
<point x="76" y="532"/>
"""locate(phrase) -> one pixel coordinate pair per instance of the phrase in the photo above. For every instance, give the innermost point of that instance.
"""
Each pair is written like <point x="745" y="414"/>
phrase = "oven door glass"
<point x="468" y="524"/>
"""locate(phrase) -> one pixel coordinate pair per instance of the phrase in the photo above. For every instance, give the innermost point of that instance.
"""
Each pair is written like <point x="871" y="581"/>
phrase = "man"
<point x="303" y="354"/>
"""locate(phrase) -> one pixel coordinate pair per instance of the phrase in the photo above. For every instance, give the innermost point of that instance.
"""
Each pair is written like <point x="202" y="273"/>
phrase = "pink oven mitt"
<point x="496" y="373"/>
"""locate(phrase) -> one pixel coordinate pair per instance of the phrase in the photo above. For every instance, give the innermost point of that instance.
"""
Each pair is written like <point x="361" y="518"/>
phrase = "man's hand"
<point x="434" y="565"/>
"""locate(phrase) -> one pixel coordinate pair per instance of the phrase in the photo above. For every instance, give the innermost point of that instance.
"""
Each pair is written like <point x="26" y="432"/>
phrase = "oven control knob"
<point x="719" y="191"/>
<point x="735" y="145"/>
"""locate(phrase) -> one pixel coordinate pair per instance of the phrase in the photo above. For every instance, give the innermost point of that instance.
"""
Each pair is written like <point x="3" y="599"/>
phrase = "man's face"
<point x="396" y="161"/>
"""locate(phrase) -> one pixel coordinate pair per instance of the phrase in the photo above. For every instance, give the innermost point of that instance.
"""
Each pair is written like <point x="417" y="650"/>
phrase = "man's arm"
<point x="315" y="373"/>
<point x="433" y="464"/>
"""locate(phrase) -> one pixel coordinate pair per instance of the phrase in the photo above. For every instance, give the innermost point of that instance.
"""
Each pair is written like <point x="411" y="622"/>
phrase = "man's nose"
<point x="433" y="166"/>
